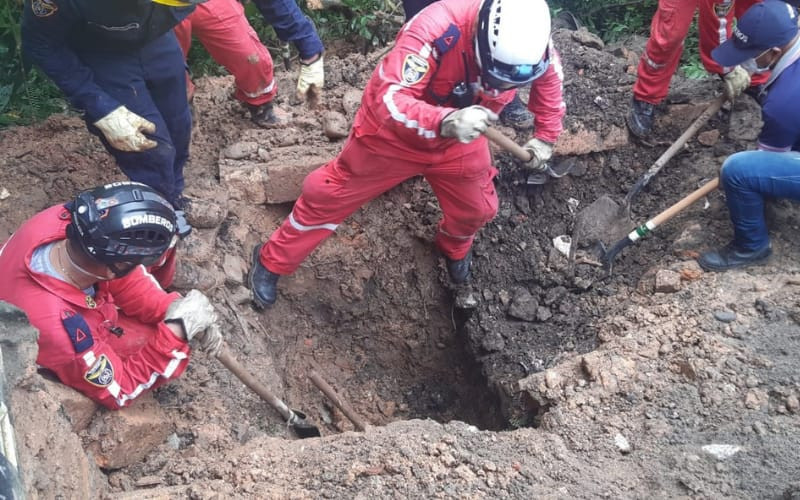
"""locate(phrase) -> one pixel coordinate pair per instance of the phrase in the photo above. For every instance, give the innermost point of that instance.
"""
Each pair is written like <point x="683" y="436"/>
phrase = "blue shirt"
<point x="780" y="111"/>
<point x="291" y="25"/>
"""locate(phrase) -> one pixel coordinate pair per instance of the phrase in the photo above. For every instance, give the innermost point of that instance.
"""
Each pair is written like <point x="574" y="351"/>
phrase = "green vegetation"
<point x="26" y="95"/>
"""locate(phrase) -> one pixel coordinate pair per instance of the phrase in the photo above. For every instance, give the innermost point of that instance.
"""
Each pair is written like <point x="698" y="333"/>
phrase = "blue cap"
<point x="771" y="23"/>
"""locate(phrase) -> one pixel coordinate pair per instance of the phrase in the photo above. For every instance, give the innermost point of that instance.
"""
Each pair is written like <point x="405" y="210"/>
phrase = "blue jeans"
<point x="748" y="178"/>
<point x="151" y="82"/>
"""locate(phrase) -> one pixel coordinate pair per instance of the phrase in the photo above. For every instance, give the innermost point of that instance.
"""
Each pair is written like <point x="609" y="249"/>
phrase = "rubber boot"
<point x="641" y="117"/>
<point x="459" y="270"/>
<point x="263" y="282"/>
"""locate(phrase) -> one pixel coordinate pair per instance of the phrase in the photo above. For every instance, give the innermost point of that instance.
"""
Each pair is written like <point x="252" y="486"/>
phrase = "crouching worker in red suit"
<point x="106" y="327"/>
<point x="453" y="67"/>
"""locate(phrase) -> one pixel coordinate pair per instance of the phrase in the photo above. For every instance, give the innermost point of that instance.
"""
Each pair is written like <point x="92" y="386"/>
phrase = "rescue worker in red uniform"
<point x="223" y="29"/>
<point x="662" y="53"/>
<point x="106" y="327"/>
<point x="453" y="67"/>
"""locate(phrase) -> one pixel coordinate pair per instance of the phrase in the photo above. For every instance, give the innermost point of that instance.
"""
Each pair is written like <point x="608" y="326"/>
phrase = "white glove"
<point x="735" y="82"/>
<point x="193" y="312"/>
<point x="311" y="75"/>
<point x="468" y="123"/>
<point x="123" y="130"/>
<point x="540" y="152"/>
<point x="210" y="340"/>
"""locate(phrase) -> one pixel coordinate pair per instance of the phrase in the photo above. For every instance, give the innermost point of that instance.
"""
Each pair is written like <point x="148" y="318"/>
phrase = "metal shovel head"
<point x="297" y="421"/>
<point x="556" y="172"/>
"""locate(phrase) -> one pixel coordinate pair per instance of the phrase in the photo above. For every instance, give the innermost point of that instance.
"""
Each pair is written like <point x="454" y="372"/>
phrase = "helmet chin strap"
<point x="81" y="269"/>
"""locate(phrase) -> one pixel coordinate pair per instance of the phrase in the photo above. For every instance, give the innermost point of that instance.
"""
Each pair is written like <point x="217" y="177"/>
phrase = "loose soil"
<point x="539" y="378"/>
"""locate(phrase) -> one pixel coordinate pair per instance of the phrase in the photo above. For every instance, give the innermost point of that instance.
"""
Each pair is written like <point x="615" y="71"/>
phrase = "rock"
<point x="667" y="281"/>
<point x="122" y="438"/>
<point x="725" y="316"/>
<point x="4" y="193"/>
<point x="244" y="181"/>
<point x="708" y="138"/>
<point x="204" y="213"/>
<point x="755" y="399"/>
<point x="580" y="141"/>
<point x="524" y="306"/>
<point x="285" y="177"/>
<point x="335" y="126"/>
<point x="721" y="451"/>
<point x="792" y="403"/>
<point x="78" y="409"/>
<point x="584" y="37"/>
<point x="493" y="341"/>
<point x="351" y="100"/>
<point x="690" y="238"/>
<point x="234" y="268"/>
<point x="543" y="314"/>
<point x="240" y="150"/>
<point x="189" y="275"/>
<point x="622" y="444"/>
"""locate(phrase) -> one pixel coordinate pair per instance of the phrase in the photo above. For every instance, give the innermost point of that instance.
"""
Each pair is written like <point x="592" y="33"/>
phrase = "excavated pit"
<point x="372" y="310"/>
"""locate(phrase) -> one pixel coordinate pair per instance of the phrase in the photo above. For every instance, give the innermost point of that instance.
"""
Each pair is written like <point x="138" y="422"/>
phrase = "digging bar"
<point x="652" y="224"/>
<point x="662" y="160"/>
<point x="521" y="153"/>
<point x="294" y="418"/>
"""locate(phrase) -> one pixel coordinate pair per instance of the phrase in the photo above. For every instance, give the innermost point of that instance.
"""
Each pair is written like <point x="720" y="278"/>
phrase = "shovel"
<point x="667" y="155"/>
<point x="648" y="227"/>
<point x="294" y="418"/>
<point x="604" y="219"/>
<point x="535" y="178"/>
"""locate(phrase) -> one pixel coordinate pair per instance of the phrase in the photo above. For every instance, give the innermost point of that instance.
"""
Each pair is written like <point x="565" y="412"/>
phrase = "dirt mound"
<point x="634" y="382"/>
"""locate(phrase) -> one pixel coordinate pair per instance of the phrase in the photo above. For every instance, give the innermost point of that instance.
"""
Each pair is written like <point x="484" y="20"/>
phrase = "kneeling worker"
<point x="106" y="327"/>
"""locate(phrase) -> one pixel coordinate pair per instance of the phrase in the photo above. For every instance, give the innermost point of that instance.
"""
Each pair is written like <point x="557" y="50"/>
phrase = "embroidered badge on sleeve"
<point x="43" y="8"/>
<point x="101" y="373"/>
<point x="77" y="329"/>
<point x="414" y="69"/>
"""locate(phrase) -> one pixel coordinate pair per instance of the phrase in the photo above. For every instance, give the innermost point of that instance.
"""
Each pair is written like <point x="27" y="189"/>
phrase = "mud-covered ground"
<point x="543" y="377"/>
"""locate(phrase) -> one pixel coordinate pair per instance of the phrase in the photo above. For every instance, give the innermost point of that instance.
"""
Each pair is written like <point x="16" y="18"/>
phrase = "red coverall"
<point x="668" y="29"/>
<point x="395" y="136"/>
<point x="76" y="332"/>
<point x="224" y="31"/>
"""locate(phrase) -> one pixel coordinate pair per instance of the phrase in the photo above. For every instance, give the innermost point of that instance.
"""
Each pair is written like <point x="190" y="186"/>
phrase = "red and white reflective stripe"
<point x="394" y="110"/>
<point x="304" y="228"/>
<point x="456" y="237"/>
<point x="265" y="90"/>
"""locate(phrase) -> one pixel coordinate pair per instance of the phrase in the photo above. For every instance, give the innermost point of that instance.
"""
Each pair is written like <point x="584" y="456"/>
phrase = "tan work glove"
<point x="468" y="123"/>
<point x="311" y="75"/>
<point x="123" y="130"/>
<point x="735" y="82"/>
<point x="210" y="340"/>
<point x="540" y="152"/>
<point x="194" y="313"/>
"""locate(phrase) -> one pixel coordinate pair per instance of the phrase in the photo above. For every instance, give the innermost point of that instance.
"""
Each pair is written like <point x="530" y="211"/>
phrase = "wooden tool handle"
<point x="685" y="202"/>
<point x="507" y="143"/>
<point x="338" y="401"/>
<point x="227" y="359"/>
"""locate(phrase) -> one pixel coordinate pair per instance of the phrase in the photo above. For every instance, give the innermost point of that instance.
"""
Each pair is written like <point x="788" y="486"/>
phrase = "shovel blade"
<point x="301" y="426"/>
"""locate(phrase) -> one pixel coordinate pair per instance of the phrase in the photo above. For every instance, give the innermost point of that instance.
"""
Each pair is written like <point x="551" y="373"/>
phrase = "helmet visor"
<point x="500" y="76"/>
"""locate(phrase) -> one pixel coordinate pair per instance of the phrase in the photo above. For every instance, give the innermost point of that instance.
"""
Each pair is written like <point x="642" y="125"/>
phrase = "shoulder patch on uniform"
<point x="101" y="373"/>
<point x="448" y="39"/>
<point x="77" y="329"/>
<point x="43" y="8"/>
<point x="415" y="67"/>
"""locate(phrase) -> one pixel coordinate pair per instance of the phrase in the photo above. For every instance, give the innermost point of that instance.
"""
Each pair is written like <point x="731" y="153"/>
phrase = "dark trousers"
<point x="151" y="83"/>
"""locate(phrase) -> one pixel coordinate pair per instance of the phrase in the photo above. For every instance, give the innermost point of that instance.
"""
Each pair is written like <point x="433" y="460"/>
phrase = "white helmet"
<point x="511" y="42"/>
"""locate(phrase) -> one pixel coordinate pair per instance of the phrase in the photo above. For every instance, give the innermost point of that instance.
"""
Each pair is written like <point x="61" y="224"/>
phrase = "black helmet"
<point x="122" y="222"/>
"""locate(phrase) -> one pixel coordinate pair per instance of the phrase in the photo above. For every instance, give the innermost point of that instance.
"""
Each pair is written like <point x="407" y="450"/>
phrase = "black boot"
<point x="459" y="270"/>
<point x="516" y="114"/>
<point x="263" y="282"/>
<point x="263" y="115"/>
<point x="730" y="257"/>
<point x="641" y="117"/>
